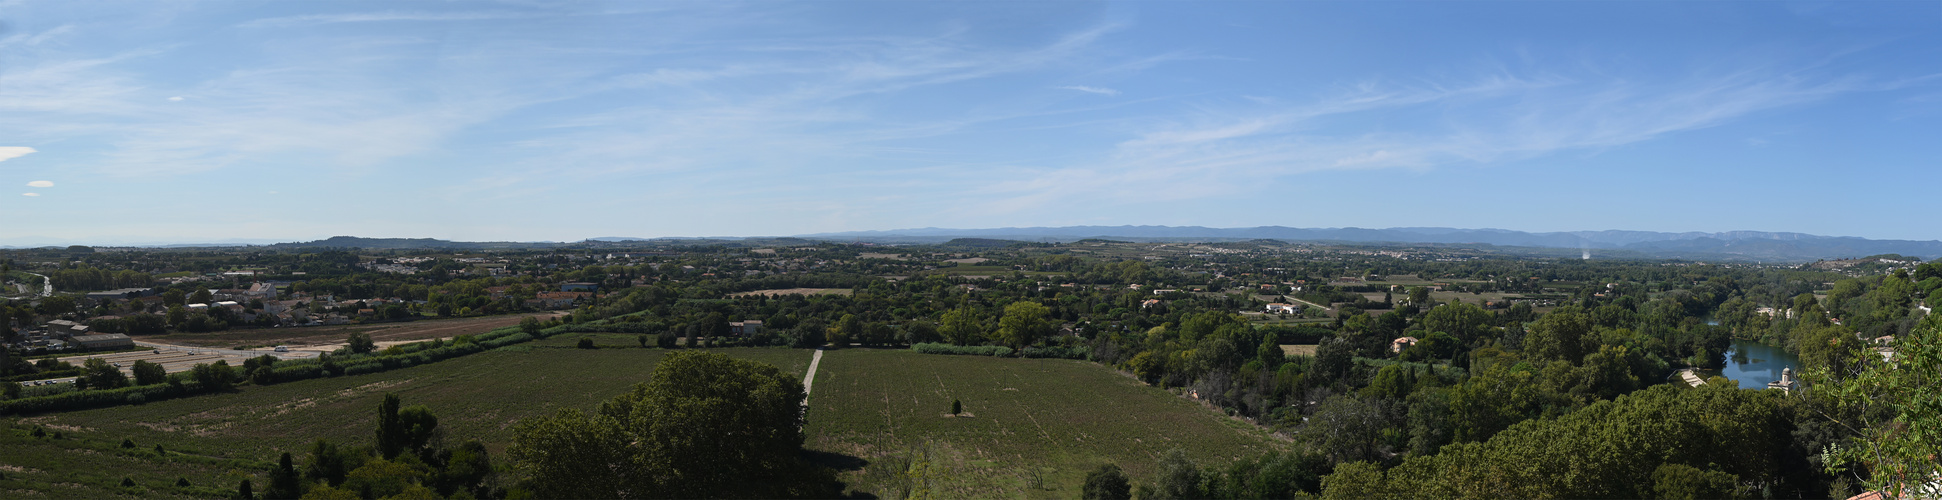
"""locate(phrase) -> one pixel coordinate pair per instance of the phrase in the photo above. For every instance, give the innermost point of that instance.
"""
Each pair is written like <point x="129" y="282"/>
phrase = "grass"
<point x="475" y="397"/>
<point x="1036" y="425"/>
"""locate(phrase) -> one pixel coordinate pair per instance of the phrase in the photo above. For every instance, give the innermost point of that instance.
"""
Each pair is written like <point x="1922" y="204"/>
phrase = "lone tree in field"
<point x="704" y="425"/>
<point x="957" y="407"/>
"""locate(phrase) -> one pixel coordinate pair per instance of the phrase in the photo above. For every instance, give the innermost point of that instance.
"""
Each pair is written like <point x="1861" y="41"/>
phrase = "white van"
<point x="282" y="349"/>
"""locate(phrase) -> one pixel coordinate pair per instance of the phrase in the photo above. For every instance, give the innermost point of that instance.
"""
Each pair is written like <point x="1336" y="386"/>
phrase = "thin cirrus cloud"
<point x="1228" y="149"/>
<point x="1091" y="90"/>
<point x="41" y="184"/>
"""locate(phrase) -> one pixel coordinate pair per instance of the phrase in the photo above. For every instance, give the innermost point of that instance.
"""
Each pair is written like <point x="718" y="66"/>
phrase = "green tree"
<point x="1466" y="321"/>
<point x="703" y="425"/>
<point x="360" y="343"/>
<point x="1559" y="335"/>
<point x="847" y="329"/>
<point x="1179" y="478"/>
<point x="56" y="305"/>
<point x="391" y="430"/>
<point x="1685" y="482"/>
<point x="960" y="326"/>
<point x="1355" y="481"/>
<point x="1107" y="483"/>
<point x="201" y="296"/>
<point x="216" y="377"/>
<point x="1892" y="407"/>
<point x="285" y="484"/>
<point x="101" y="375"/>
<point x="1024" y="324"/>
<point x="420" y="426"/>
<point x="178" y="315"/>
<point x="149" y="373"/>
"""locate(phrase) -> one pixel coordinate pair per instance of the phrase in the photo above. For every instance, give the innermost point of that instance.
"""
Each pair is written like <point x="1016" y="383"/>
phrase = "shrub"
<point x="962" y="350"/>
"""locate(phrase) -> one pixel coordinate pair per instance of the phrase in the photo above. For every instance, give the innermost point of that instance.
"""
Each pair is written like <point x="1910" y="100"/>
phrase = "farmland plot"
<point x="1034" y="426"/>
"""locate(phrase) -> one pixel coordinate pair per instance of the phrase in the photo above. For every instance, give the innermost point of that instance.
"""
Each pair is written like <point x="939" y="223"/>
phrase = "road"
<point x="810" y="379"/>
<point x="48" y="289"/>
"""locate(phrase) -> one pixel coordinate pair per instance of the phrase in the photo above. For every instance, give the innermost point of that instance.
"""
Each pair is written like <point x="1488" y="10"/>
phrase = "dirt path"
<point x="810" y="379"/>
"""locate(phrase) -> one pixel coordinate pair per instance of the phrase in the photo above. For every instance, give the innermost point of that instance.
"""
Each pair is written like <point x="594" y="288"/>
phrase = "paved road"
<point x="226" y="352"/>
<point x="48" y="290"/>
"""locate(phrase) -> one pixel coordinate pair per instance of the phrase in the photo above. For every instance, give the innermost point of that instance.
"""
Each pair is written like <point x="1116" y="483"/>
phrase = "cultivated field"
<point x="475" y="397"/>
<point x="1033" y="427"/>
<point x="1036" y="425"/>
<point x="327" y="335"/>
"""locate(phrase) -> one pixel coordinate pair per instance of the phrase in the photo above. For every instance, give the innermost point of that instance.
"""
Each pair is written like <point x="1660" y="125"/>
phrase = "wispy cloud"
<point x="392" y="16"/>
<point x="30" y="194"/>
<point x="11" y="152"/>
<point x="1091" y="90"/>
<point x="41" y="184"/>
<point x="1232" y="149"/>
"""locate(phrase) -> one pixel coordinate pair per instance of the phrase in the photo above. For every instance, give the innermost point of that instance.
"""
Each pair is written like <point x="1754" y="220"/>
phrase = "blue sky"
<point x="157" y="121"/>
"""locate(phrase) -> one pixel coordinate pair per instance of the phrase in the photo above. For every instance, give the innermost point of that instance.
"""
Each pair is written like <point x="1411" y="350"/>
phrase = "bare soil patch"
<point x="1298" y="349"/>
<point x="324" y="335"/>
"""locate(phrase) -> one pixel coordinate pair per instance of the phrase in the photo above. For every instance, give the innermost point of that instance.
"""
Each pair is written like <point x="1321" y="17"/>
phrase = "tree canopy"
<point x="703" y="425"/>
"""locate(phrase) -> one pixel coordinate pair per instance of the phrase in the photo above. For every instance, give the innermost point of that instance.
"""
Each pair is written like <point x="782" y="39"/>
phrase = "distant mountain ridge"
<point x="1748" y="245"/>
<point x="1729" y="245"/>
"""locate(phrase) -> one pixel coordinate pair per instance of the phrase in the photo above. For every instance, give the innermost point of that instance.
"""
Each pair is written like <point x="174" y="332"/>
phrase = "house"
<point x="579" y="286"/>
<point x="1280" y="308"/>
<point x="109" y="341"/>
<point x="1149" y="303"/>
<point x="264" y="291"/>
<point x="1402" y="343"/>
<point x="65" y="328"/>
<point x="741" y="328"/>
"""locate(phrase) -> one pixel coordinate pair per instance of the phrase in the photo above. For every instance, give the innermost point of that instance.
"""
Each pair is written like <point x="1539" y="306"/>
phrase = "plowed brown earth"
<point x="317" y="335"/>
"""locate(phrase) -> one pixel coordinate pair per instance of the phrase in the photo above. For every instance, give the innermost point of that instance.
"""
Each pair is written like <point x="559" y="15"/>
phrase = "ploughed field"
<point x="1035" y="426"/>
<point x="424" y="329"/>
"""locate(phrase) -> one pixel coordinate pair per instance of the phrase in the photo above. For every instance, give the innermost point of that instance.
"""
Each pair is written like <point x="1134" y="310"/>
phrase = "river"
<point x="1753" y="364"/>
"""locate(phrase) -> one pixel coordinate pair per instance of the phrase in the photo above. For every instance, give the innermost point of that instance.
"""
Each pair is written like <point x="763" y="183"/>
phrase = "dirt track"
<point x="324" y="335"/>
